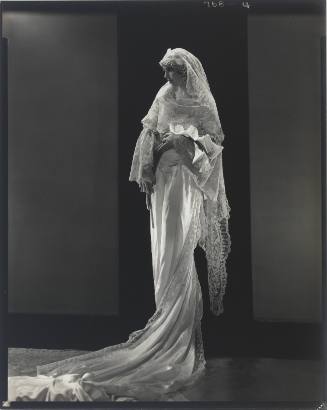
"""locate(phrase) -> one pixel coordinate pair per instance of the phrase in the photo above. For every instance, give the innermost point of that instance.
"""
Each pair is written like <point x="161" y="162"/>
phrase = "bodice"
<point x="172" y="113"/>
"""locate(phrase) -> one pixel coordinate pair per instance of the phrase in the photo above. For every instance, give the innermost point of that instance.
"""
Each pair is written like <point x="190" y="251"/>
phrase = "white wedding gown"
<point x="156" y="362"/>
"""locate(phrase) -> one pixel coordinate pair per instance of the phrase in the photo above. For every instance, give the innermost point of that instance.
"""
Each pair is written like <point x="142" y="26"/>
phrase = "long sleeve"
<point x="142" y="167"/>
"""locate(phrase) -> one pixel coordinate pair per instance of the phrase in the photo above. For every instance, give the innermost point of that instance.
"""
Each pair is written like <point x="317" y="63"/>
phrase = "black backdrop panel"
<point x="219" y="40"/>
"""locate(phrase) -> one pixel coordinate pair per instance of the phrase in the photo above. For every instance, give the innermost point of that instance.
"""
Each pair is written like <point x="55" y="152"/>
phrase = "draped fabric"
<point x="188" y="208"/>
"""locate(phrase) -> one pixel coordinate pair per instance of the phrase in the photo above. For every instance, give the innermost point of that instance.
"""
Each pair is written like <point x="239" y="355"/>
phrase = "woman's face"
<point x="175" y="79"/>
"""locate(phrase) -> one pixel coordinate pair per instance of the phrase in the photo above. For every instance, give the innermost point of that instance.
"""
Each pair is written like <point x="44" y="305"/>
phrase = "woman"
<point x="177" y="162"/>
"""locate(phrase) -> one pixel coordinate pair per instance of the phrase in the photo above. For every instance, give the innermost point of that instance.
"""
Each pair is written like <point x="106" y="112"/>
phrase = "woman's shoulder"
<point x="163" y="92"/>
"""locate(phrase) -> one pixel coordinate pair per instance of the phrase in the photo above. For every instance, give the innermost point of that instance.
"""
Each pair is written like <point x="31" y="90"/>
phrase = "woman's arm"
<point x="142" y="169"/>
<point x="182" y="144"/>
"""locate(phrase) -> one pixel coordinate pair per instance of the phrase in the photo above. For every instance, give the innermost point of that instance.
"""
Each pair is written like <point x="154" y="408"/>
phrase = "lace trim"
<point x="200" y="361"/>
<point x="216" y="243"/>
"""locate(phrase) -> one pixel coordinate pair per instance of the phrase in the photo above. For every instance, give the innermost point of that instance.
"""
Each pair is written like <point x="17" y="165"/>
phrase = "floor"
<point x="227" y="379"/>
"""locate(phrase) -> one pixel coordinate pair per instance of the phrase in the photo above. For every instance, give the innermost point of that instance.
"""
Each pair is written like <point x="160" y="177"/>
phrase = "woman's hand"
<point x="169" y="137"/>
<point x="165" y="144"/>
<point x="168" y="140"/>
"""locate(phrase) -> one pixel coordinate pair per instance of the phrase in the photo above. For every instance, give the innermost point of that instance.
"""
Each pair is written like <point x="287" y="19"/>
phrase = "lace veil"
<point x="197" y="112"/>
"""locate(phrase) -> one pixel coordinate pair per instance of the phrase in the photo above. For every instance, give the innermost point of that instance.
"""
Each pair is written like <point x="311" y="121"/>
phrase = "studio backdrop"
<point x="81" y="78"/>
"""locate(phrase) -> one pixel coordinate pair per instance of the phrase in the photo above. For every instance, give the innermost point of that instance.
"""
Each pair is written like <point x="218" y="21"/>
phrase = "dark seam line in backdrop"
<point x="323" y="207"/>
<point x="3" y="215"/>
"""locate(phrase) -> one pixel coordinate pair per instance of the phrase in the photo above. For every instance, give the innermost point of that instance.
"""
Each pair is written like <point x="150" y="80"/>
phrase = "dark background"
<point x="219" y="39"/>
<point x="63" y="168"/>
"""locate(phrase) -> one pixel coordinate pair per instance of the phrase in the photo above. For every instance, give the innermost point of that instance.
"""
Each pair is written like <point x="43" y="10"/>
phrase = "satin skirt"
<point x="160" y="361"/>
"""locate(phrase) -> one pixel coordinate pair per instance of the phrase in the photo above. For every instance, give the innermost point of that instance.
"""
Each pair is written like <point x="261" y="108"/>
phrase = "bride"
<point x="177" y="162"/>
